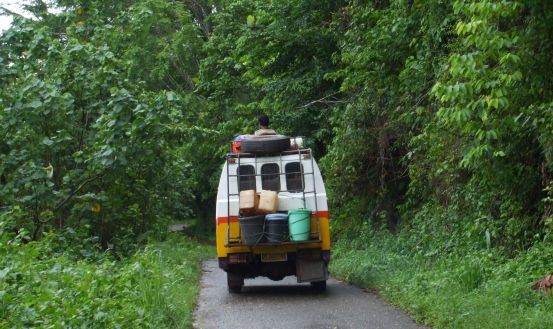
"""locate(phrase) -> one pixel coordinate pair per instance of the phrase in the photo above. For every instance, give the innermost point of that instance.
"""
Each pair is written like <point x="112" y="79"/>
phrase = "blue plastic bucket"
<point x="277" y="216"/>
<point x="276" y="227"/>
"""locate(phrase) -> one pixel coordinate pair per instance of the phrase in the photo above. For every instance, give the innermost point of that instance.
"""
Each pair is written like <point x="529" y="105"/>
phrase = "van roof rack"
<point x="282" y="153"/>
<point x="306" y="152"/>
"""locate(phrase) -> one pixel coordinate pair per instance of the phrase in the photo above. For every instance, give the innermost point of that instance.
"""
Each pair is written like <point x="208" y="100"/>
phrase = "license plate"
<point x="274" y="257"/>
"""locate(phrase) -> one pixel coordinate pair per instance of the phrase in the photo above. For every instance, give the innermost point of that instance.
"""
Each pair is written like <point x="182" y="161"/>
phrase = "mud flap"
<point x="310" y="266"/>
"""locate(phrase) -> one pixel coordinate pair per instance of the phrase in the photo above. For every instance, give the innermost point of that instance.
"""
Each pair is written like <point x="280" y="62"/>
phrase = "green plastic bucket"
<point x="299" y="224"/>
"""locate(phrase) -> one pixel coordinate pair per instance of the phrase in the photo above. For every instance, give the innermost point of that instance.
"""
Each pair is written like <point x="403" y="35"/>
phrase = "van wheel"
<point x="319" y="286"/>
<point x="235" y="282"/>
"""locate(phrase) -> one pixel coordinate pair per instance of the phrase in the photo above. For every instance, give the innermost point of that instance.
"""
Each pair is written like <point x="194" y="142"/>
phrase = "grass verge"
<point x="155" y="287"/>
<point x="168" y="281"/>
<point x="476" y="290"/>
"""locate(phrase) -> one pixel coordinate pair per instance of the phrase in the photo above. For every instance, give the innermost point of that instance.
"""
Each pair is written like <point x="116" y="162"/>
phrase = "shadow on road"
<point x="300" y="290"/>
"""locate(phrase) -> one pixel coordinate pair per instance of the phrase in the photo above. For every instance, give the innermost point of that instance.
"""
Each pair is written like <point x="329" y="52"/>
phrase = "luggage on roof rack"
<point x="268" y="144"/>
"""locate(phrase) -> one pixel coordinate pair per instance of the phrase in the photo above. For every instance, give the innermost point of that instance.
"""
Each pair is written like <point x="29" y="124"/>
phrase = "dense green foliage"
<point x="87" y="127"/>
<point x="480" y="289"/>
<point x="449" y="113"/>
<point x="433" y="121"/>
<point x="99" y="125"/>
<point x="43" y="285"/>
<point x="414" y="106"/>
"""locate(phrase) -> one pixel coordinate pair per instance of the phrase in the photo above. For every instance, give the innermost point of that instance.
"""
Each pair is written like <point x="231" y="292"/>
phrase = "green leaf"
<point x="35" y="104"/>
<point x="47" y="141"/>
<point x="250" y="20"/>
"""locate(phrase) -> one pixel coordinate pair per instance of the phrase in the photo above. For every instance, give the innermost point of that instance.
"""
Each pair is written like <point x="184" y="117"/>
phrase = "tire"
<point x="265" y="144"/>
<point x="319" y="286"/>
<point x="235" y="282"/>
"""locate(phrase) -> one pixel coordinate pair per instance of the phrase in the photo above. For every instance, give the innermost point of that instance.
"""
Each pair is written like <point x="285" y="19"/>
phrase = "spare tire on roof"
<point x="266" y="144"/>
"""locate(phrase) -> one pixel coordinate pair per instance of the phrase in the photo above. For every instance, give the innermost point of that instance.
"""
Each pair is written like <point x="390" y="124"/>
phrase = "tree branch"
<point x="6" y="11"/>
<point x="323" y="100"/>
<point x="64" y="201"/>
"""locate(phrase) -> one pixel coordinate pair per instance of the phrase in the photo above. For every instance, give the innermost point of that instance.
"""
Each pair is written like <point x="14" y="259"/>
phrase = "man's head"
<point x="264" y="120"/>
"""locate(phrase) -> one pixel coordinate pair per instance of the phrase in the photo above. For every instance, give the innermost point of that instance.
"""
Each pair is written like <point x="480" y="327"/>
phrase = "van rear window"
<point x="270" y="177"/>
<point x="294" y="177"/>
<point x="246" y="177"/>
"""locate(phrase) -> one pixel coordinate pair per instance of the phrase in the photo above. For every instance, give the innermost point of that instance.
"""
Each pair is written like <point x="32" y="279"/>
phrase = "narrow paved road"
<point x="286" y="304"/>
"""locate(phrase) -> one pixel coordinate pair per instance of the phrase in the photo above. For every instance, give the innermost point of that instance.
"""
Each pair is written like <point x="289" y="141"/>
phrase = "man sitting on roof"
<point x="264" y="126"/>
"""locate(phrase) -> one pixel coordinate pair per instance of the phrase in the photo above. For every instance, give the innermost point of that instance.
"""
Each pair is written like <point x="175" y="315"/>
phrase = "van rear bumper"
<point x="250" y="265"/>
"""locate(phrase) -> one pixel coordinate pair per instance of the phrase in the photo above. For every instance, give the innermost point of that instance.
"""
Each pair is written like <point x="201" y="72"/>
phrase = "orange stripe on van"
<point x="224" y="220"/>
<point x="234" y="219"/>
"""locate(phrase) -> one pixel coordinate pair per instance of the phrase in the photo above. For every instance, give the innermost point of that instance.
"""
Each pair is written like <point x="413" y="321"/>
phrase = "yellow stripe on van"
<point x="223" y="251"/>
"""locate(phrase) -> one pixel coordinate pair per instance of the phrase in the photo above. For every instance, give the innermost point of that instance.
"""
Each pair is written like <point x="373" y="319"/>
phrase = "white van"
<point x="295" y="175"/>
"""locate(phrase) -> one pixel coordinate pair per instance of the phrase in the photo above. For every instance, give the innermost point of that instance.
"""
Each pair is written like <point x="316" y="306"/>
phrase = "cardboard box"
<point x="268" y="202"/>
<point x="249" y="201"/>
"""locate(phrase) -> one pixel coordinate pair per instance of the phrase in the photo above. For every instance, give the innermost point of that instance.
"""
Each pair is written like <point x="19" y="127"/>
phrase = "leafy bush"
<point x="41" y="285"/>
<point x="459" y="289"/>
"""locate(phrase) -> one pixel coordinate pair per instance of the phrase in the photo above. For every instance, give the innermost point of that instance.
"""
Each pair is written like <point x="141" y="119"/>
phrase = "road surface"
<point x="286" y="304"/>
